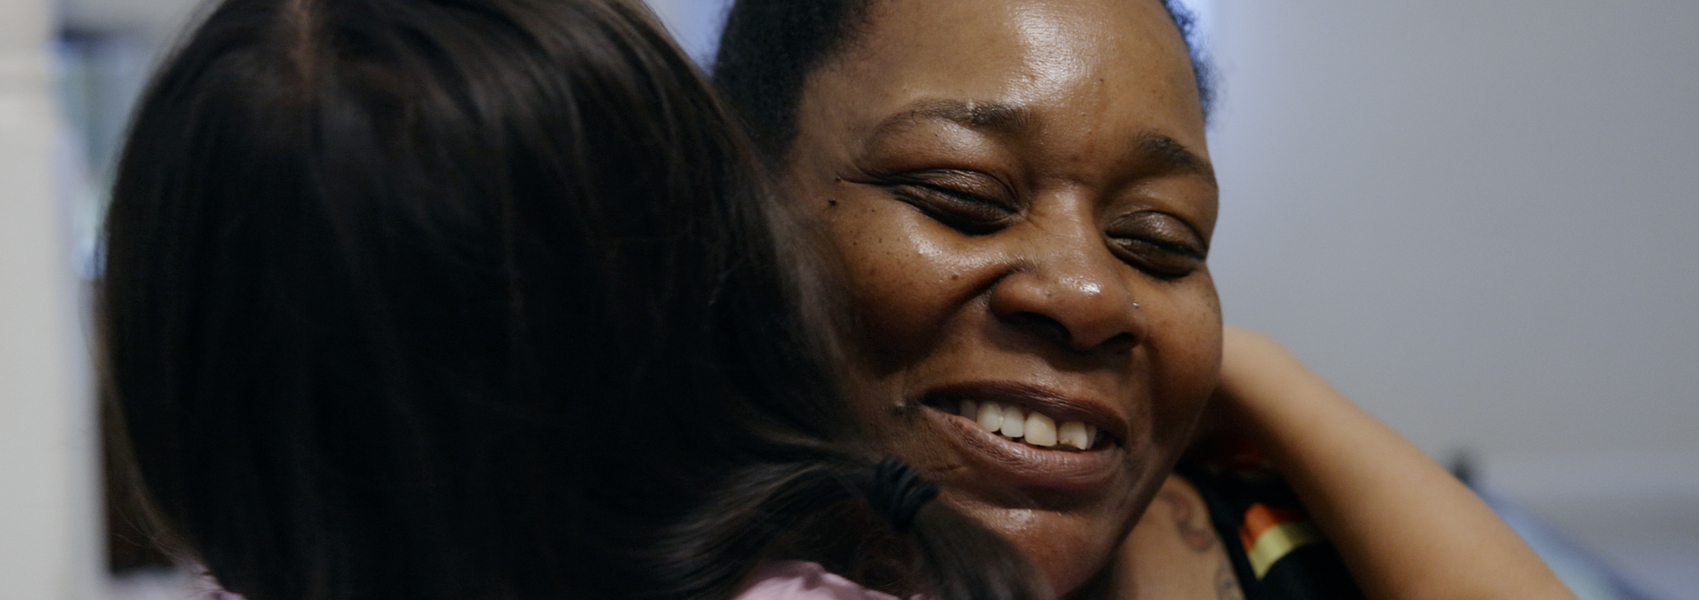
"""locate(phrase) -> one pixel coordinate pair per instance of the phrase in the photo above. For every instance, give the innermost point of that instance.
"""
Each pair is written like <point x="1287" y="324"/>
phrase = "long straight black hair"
<point x="476" y="299"/>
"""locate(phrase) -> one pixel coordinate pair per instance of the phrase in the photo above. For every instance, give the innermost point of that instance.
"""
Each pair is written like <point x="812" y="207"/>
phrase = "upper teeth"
<point x="1031" y="427"/>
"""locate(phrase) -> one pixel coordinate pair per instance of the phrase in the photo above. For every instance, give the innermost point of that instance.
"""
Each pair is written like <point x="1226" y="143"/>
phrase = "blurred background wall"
<point x="1474" y="217"/>
<point x="1477" y="219"/>
<point x="49" y="544"/>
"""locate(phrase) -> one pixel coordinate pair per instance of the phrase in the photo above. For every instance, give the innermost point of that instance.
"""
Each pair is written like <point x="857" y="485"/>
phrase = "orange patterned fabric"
<point x="1275" y="549"/>
<point x="1260" y="517"/>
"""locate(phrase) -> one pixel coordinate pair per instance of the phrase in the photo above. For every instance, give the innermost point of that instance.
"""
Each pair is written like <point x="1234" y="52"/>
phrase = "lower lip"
<point x="1027" y="465"/>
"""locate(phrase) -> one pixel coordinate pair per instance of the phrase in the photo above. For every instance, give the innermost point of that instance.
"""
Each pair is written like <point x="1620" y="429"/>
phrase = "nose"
<point x="1078" y="301"/>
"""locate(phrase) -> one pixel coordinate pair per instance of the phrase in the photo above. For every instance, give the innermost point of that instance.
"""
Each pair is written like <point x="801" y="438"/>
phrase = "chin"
<point x="1068" y="550"/>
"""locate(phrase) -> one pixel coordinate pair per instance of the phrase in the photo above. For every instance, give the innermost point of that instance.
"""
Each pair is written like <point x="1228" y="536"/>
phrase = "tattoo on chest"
<point x="1190" y="521"/>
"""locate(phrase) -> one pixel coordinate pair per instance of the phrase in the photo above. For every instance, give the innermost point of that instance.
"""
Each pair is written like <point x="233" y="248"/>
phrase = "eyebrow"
<point x="986" y="116"/>
<point x="1175" y="155"/>
<point x="1008" y="119"/>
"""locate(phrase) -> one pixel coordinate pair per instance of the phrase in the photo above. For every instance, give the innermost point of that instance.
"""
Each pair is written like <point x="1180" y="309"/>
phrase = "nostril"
<point x="1042" y="326"/>
<point x="1053" y="331"/>
<point x="1118" y="342"/>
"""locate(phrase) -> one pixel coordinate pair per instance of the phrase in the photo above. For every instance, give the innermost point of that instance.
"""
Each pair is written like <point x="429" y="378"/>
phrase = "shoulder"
<point x="798" y="580"/>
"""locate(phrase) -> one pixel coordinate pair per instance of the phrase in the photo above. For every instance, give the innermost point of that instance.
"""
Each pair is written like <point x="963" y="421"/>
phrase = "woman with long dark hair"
<point x="482" y="299"/>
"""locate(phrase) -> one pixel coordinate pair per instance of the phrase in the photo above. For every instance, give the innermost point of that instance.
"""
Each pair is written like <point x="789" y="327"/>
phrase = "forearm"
<point x="1406" y="528"/>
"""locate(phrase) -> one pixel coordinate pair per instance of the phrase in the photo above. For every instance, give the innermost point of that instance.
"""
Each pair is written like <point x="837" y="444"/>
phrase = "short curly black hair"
<point x="770" y="47"/>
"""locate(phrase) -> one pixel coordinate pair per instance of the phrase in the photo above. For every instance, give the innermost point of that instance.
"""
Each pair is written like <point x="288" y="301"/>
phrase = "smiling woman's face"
<point x="1021" y="192"/>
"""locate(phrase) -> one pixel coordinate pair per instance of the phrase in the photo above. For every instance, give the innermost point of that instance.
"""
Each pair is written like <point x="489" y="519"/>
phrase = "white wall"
<point x="1479" y="220"/>
<point x="48" y="518"/>
<point x="694" y="23"/>
<point x="1476" y="217"/>
<point x="159" y="19"/>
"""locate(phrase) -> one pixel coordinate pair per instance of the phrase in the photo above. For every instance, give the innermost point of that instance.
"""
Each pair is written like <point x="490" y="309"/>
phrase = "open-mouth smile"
<point x="1032" y="427"/>
<point x="1032" y="436"/>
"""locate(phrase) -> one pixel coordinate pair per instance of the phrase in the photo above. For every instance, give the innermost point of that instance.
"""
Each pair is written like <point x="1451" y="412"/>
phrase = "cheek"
<point x="1185" y="345"/>
<point x="906" y="281"/>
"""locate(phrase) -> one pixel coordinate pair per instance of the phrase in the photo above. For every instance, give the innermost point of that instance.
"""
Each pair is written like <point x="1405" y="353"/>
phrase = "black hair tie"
<point x="898" y="491"/>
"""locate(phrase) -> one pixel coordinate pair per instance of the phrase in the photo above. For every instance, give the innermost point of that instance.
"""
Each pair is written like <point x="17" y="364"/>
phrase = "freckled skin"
<point x="1043" y="294"/>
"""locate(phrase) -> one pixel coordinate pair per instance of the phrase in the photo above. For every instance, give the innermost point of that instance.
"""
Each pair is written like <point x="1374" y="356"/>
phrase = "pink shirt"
<point x="797" y="580"/>
<point x="772" y="580"/>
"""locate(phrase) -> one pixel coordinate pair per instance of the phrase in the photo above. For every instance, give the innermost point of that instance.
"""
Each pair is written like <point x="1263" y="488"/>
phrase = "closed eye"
<point x="1157" y="244"/>
<point x="964" y="202"/>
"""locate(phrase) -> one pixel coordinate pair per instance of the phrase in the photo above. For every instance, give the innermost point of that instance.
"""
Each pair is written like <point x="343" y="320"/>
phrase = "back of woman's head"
<point x="461" y="298"/>
<point x="387" y="279"/>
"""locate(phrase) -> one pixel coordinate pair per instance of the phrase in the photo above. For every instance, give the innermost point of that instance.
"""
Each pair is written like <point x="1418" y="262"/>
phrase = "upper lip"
<point x="1056" y="405"/>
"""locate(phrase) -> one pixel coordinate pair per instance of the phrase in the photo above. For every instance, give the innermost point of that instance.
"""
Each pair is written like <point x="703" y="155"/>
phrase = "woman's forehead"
<point x="1108" y="65"/>
<point x="1042" y="37"/>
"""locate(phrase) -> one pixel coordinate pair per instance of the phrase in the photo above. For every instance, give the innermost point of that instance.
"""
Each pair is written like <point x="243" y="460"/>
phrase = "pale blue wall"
<point x="1478" y="219"/>
<point x="48" y="514"/>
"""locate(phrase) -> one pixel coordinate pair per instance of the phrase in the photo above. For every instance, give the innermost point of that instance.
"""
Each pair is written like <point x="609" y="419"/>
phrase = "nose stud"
<point x="1135" y="305"/>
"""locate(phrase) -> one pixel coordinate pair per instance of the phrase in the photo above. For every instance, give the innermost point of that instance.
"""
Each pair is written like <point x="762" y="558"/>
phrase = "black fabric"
<point x="1309" y="572"/>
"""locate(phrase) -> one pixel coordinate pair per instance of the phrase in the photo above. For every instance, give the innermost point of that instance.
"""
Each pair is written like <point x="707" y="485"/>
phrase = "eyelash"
<point x="1171" y="247"/>
<point x="953" y="207"/>
<point x="1174" y="260"/>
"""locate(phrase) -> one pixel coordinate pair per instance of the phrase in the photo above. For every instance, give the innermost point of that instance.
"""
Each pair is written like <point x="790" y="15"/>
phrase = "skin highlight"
<point x="1023" y="204"/>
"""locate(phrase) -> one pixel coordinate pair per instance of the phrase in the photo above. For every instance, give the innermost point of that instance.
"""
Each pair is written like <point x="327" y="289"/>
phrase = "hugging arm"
<point x="1405" y="527"/>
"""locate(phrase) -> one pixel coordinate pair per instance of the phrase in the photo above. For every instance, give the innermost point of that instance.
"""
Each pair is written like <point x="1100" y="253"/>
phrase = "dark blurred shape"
<point x="1463" y="466"/>
<point x="129" y="548"/>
